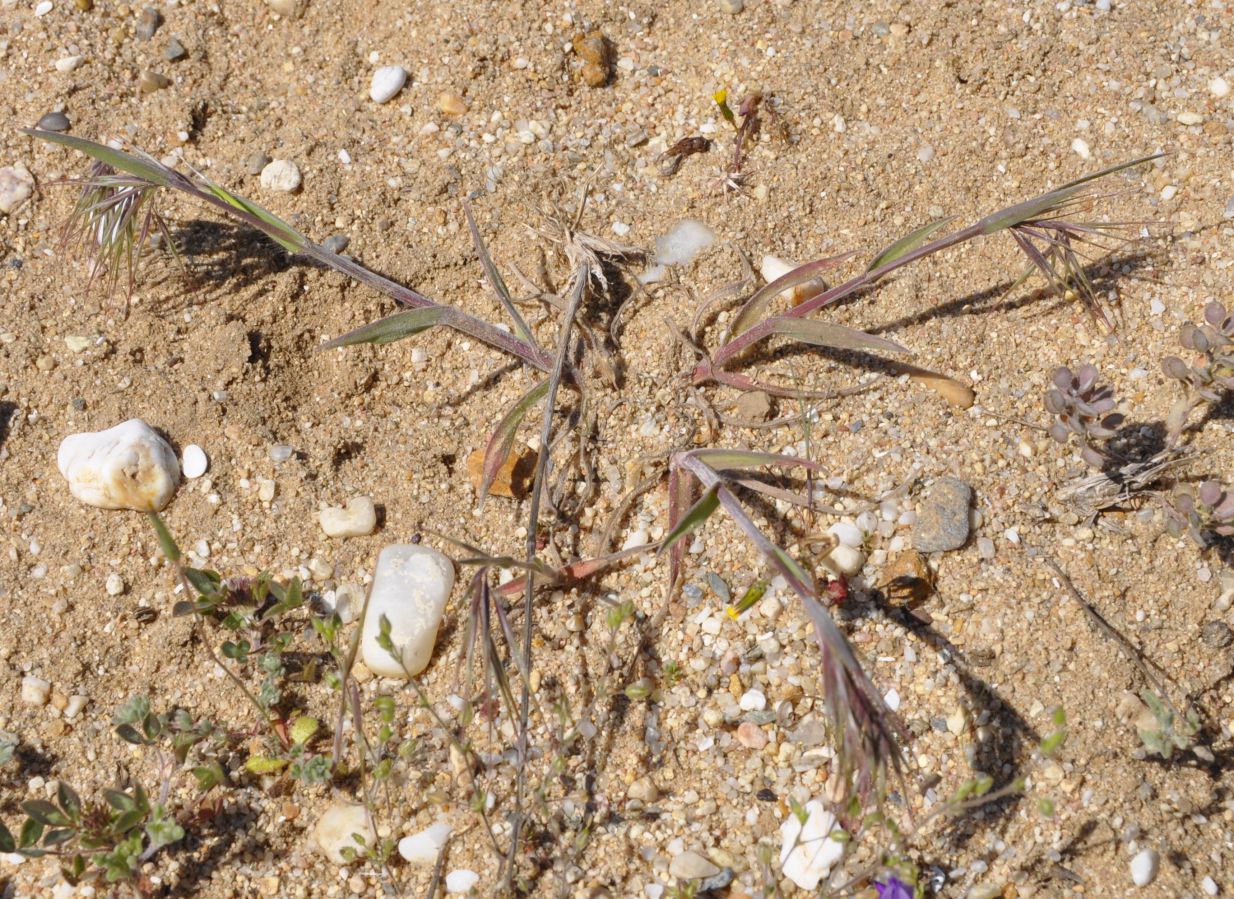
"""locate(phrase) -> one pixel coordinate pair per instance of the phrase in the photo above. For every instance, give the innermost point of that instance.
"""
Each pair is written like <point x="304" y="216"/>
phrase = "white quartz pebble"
<point x="843" y="559"/>
<point x="34" y="690"/>
<point x="848" y="534"/>
<point x="357" y="519"/>
<point x="334" y="830"/>
<point x="410" y="588"/>
<point x="76" y="703"/>
<point x="126" y="467"/>
<point x="423" y="848"/>
<point x="282" y="175"/>
<point x="194" y="462"/>
<point x="1144" y="867"/>
<point x="774" y="268"/>
<point x="387" y="81"/>
<point x="114" y="584"/>
<point x="808" y="853"/>
<point x="461" y="881"/>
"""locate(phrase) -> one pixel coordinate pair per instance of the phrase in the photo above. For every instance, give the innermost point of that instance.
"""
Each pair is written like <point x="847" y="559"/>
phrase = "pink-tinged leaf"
<point x="907" y="243"/>
<point x="574" y="572"/>
<point x="391" y="328"/>
<point x="679" y="493"/>
<point x="826" y="334"/>
<point x="723" y="459"/>
<point x="756" y="306"/>
<point x="502" y="441"/>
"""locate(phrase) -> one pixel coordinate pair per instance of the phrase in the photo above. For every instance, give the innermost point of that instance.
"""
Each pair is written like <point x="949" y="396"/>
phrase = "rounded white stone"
<point x="461" y="881"/>
<point x="16" y="186"/>
<point x="1144" y="867"/>
<point x="387" y="81"/>
<point x="846" y="560"/>
<point x="194" y="462"/>
<point x="126" y="467"/>
<point x="357" y="519"/>
<point x="423" y="848"/>
<point x="281" y="175"/>
<point x="35" y="690"/>
<point x="848" y="534"/>
<point x="410" y="588"/>
<point x="333" y="830"/>
<point x="114" y="585"/>
<point x="1219" y="87"/>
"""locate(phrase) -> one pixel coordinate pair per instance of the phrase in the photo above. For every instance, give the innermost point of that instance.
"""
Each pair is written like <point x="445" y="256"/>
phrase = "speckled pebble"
<point x="942" y="517"/>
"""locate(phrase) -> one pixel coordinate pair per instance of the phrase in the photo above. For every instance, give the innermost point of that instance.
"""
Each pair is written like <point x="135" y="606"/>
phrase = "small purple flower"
<point x="894" y="888"/>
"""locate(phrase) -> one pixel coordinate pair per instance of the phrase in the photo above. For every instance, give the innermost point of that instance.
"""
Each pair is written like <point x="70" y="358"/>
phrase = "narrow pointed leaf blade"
<point x="755" y="307"/>
<point x="502" y="441"/>
<point x="693" y="519"/>
<point x="166" y="541"/>
<point x="907" y="243"/>
<point x="496" y="281"/>
<point x="147" y="170"/>
<point x="826" y="334"/>
<point x="721" y="459"/>
<point x="275" y="228"/>
<point x="394" y="327"/>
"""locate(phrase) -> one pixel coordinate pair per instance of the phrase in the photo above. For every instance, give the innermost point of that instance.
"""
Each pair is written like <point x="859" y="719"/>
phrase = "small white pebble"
<point x="1208" y="885"/>
<point x="281" y="175"/>
<point x="621" y="229"/>
<point x="892" y="699"/>
<point x="194" y="462"/>
<point x="461" y="881"/>
<point x="1156" y="306"/>
<point x="1080" y="145"/>
<point x="35" y="690"/>
<point x="1219" y="88"/>
<point x="43" y="8"/>
<point x="76" y="703"/>
<point x="753" y="701"/>
<point x="387" y="81"/>
<point x="67" y="63"/>
<point x="114" y="585"/>
<point x="1190" y="118"/>
<point x="1169" y="192"/>
<point x="344" y="157"/>
<point x="1012" y="535"/>
<point x="1144" y="867"/>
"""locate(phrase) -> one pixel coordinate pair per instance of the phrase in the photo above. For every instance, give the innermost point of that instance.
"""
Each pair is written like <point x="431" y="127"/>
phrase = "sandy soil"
<point x="887" y="114"/>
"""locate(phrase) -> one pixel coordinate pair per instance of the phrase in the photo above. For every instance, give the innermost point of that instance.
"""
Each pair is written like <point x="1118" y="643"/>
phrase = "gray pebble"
<point x="54" y="121"/>
<point x="175" y="51"/>
<point x="1229" y="208"/>
<point x="1217" y="635"/>
<point x="336" y="243"/>
<point x="732" y="6"/>
<point x="148" y="22"/>
<point x="255" y="163"/>
<point x="691" y="866"/>
<point x="716" y="883"/>
<point x="942" y="519"/>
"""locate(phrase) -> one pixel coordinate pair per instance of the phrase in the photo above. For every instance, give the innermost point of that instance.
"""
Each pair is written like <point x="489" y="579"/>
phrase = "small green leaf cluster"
<point x="110" y="839"/>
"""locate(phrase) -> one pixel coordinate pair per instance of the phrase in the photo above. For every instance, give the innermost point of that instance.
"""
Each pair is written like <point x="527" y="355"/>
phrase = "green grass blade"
<point x="147" y="170"/>
<point x="502" y="441"/>
<point x="908" y="243"/>
<point x="391" y="328"/>
<point x="276" y="229"/>
<point x="166" y="541"/>
<point x="693" y="519"/>
<point x="825" y="334"/>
